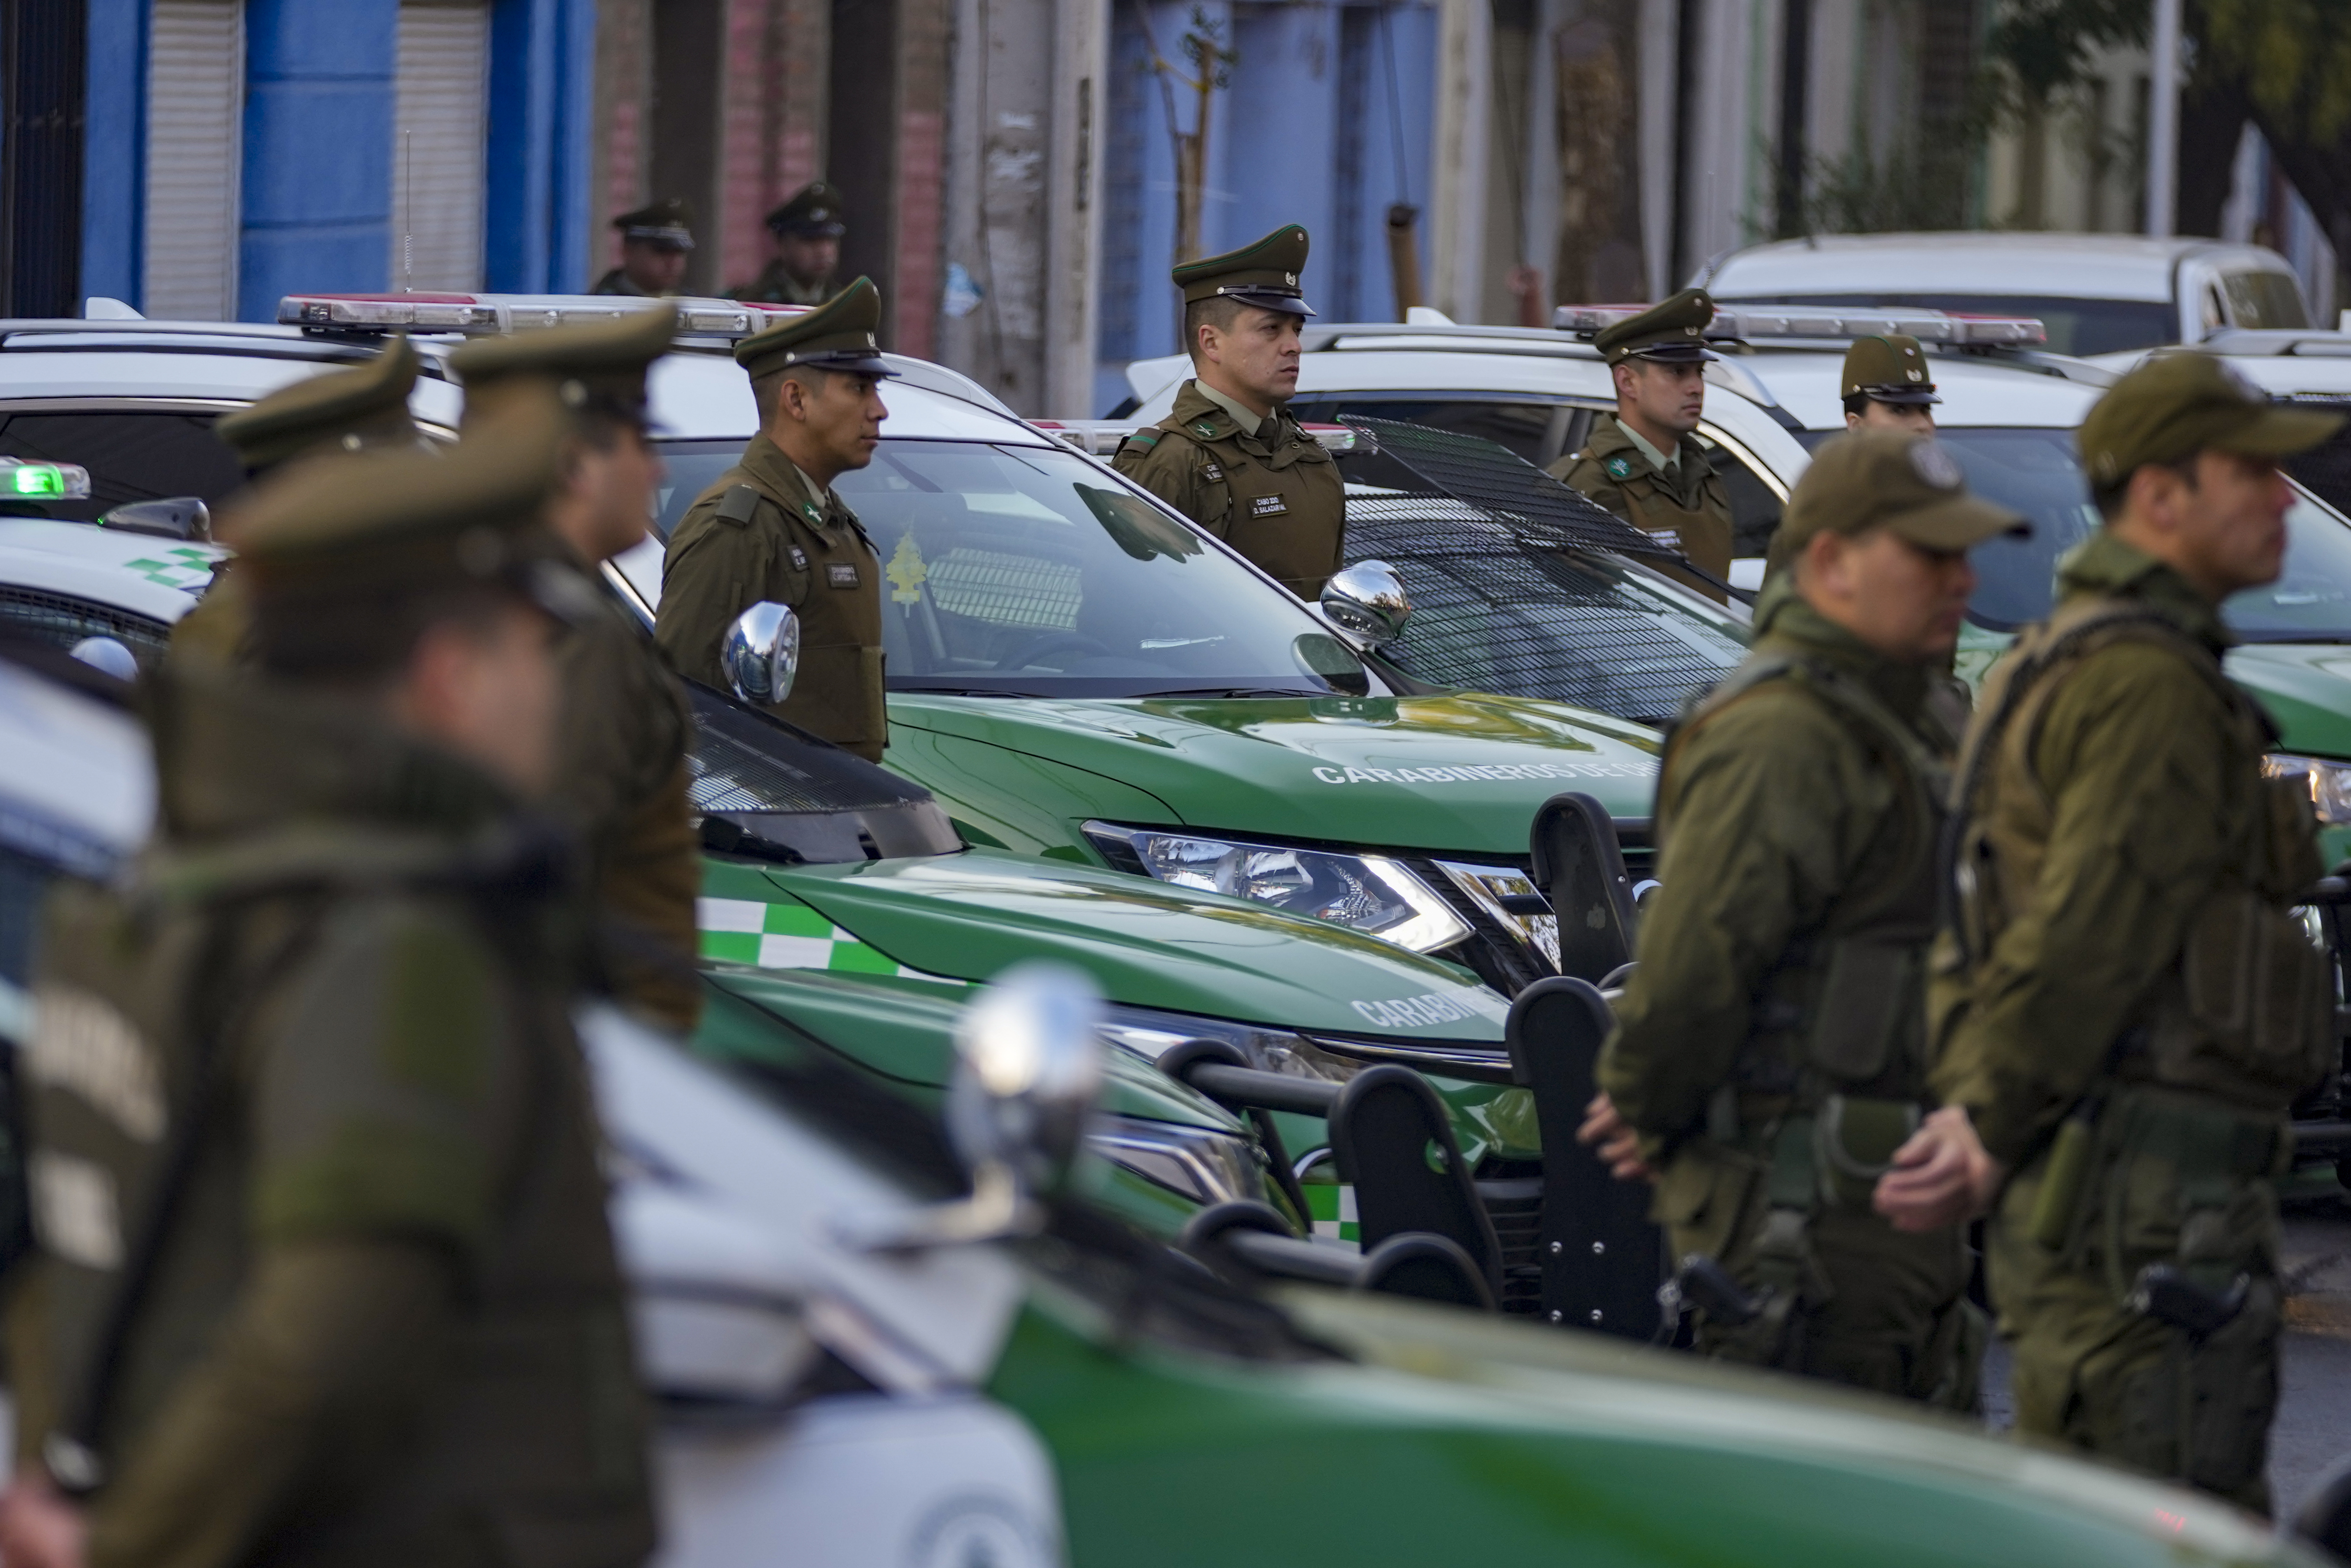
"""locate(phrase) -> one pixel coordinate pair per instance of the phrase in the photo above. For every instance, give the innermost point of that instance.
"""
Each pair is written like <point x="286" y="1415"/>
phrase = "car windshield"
<point x="1028" y="571"/>
<point x="2076" y="326"/>
<point x="2035" y="472"/>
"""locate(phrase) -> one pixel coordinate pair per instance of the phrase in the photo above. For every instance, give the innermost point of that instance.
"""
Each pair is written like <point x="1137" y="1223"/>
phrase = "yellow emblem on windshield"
<point x="907" y="572"/>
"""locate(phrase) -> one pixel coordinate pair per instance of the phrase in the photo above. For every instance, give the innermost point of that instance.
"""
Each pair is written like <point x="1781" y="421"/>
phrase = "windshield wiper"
<point x="931" y="691"/>
<point x="1236" y="692"/>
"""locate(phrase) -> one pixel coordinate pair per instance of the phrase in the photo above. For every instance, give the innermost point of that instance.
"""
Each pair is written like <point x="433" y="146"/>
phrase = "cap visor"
<point x="2281" y="432"/>
<point x="1961" y="523"/>
<point x="1901" y="397"/>
<point x="1674" y="354"/>
<point x="857" y="364"/>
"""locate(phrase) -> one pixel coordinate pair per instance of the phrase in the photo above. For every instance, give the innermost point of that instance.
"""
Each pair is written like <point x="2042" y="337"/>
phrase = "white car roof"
<point x="1975" y="391"/>
<point x="69" y="761"/>
<point x="150" y="576"/>
<point x="2086" y="266"/>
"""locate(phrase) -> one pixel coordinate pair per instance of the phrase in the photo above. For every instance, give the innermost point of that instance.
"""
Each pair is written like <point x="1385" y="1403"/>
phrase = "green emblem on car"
<point x="1619" y="466"/>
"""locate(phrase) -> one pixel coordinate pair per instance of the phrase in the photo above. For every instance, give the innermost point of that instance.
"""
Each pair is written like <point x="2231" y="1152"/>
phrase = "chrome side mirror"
<point x="1028" y="1069"/>
<point x="169" y="518"/>
<point x="1367" y="601"/>
<point x="761" y="653"/>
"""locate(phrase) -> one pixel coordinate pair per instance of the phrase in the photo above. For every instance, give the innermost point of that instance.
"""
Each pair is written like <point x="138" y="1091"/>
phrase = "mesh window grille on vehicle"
<point x="2327" y="469"/>
<point x="62" y="620"/>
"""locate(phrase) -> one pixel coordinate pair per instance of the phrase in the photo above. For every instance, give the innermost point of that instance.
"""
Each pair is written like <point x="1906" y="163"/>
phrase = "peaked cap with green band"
<point x="2179" y="403"/>
<point x="596" y="366"/>
<point x="1672" y="333"/>
<point x="669" y="225"/>
<point x="841" y="334"/>
<point x="343" y="411"/>
<point x="1264" y="273"/>
<point x="1890" y="368"/>
<point x="814" y="213"/>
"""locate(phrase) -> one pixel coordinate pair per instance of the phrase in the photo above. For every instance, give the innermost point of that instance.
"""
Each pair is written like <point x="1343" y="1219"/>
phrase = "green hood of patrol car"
<point x="1146" y="945"/>
<point x="1462" y="773"/>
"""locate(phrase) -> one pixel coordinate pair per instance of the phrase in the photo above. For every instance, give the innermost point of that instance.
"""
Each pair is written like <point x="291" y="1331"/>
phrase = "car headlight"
<point x="1205" y="1166"/>
<point x="1369" y="892"/>
<point x="2329" y="782"/>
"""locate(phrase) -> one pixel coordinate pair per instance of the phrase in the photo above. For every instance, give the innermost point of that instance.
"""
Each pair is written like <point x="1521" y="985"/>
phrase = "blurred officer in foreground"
<point x="362" y="409"/>
<point x="1644" y="462"/>
<point x="656" y="241"/>
<point x="1229" y="456"/>
<point x="621" y="776"/>
<point x="2128" y="1006"/>
<point x="805" y="251"/>
<point x="1770" y="1054"/>
<point x="771" y="528"/>
<point x="1887" y="385"/>
<point x="324" y="1275"/>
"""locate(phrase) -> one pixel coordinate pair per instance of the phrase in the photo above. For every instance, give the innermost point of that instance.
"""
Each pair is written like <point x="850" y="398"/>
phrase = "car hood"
<point x="1147" y="944"/>
<point x="1462" y="773"/>
<point x="2305" y="687"/>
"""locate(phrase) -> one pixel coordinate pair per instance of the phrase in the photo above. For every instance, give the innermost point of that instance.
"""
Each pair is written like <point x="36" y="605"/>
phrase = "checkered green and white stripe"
<point x="792" y="936"/>
<point x="182" y="566"/>
<point x="1332" y="1206"/>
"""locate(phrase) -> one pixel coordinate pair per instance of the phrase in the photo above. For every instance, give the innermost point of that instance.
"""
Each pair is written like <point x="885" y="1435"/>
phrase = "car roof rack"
<point x="1748" y="323"/>
<point x="483" y="314"/>
<point x="2266" y="342"/>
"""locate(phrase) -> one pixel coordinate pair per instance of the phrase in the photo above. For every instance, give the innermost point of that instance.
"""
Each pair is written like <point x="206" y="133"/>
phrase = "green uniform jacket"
<point x="617" y="282"/>
<point x="774" y="285"/>
<point x="620" y="783"/>
<point x="1688" y="501"/>
<point x="2154" y="789"/>
<point x="1275" y="497"/>
<point x="385" y="1322"/>
<point x="756" y="535"/>
<point x="1773" y="812"/>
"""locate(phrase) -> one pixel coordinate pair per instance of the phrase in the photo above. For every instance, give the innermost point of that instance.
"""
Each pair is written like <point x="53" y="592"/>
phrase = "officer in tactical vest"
<point x="656" y="241"/>
<point x="1229" y="456"/>
<point x="1770" y="1054"/>
<point x="324" y="1274"/>
<point x="1644" y="462"/>
<point x="362" y="409"/>
<point x="1887" y="384"/>
<point x="2126" y="1006"/>
<point x="805" y="251"/>
<point x="621" y="778"/>
<point x="770" y="529"/>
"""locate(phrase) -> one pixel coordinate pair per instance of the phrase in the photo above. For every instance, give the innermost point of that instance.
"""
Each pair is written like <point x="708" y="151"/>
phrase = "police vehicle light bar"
<point x="489" y="313"/>
<point x="44" y="481"/>
<point x="1101" y="438"/>
<point x="1751" y="323"/>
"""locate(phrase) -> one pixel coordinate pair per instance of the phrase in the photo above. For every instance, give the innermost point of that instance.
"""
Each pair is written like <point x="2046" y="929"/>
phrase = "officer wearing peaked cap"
<point x="656" y="241"/>
<point x="1229" y="456"/>
<point x="770" y="529"/>
<point x="1887" y="384"/>
<point x="1771" y="1053"/>
<point x="2124" y="1006"/>
<point x="361" y="408"/>
<point x="806" y="232"/>
<point x="621" y="778"/>
<point x="324" y="1274"/>
<point x="1644" y="462"/>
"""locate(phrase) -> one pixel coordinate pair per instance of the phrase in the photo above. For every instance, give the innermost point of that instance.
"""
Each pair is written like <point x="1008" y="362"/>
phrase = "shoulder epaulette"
<point x="739" y="505"/>
<point x="1141" y="441"/>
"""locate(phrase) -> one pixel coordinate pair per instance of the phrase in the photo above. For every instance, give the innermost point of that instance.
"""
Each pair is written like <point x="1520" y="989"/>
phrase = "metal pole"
<point x="2163" y="120"/>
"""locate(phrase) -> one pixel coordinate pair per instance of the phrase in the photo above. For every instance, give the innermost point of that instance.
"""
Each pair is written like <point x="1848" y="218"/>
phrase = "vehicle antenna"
<point x="408" y="212"/>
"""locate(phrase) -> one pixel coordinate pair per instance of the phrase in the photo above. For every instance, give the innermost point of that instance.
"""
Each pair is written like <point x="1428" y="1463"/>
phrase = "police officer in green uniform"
<point x="324" y="1272"/>
<point x="1229" y="456"/>
<point x="656" y="241"/>
<point x="1887" y="384"/>
<point x="770" y="529"/>
<point x="805" y="251"/>
<point x="1646" y="463"/>
<point x="2128" y="1006"/>
<point x="362" y="409"/>
<point x="1770" y="1053"/>
<point x="621" y="779"/>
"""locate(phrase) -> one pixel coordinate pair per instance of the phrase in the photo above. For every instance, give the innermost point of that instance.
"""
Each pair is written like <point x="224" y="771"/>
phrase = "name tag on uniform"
<point x="1268" y="506"/>
<point x="800" y="558"/>
<point x="1209" y="471"/>
<point x="842" y="574"/>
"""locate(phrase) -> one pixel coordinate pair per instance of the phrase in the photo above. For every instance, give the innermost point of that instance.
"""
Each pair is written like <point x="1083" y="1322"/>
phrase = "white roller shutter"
<point x="195" y="116"/>
<point x="439" y="138"/>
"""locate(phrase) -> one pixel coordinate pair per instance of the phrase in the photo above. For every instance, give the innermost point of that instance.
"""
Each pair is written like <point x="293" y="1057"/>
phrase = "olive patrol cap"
<point x="1888" y="369"/>
<point x="814" y="213"/>
<point x="841" y="334"/>
<point x="1669" y="333"/>
<point x="342" y="411"/>
<point x="1264" y="273"/>
<point x="2179" y="403"/>
<point x="596" y="367"/>
<point x="330" y="548"/>
<point x="1906" y="484"/>
<point x="669" y="225"/>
